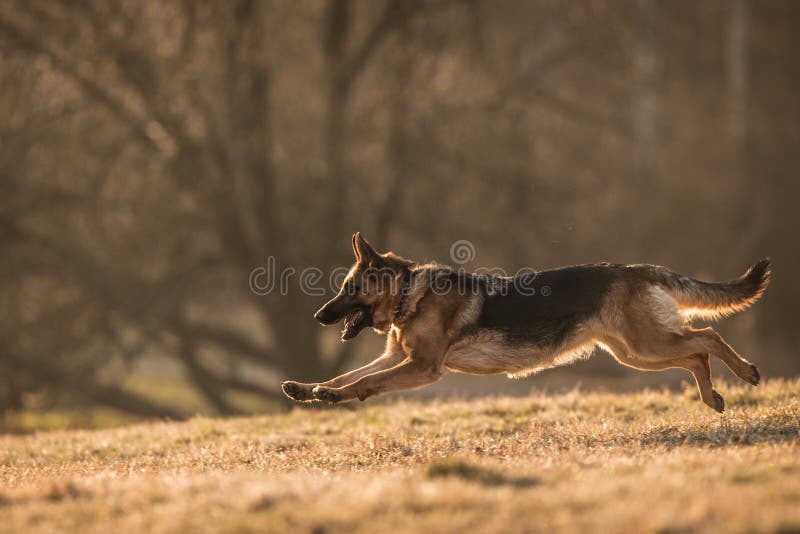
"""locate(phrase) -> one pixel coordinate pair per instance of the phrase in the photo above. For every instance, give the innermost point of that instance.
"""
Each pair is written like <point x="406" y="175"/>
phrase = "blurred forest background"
<point x="152" y="154"/>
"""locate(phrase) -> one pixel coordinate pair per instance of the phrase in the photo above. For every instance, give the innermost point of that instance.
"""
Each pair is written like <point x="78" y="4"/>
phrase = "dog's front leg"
<point x="409" y="374"/>
<point x="426" y="347"/>
<point x="298" y="390"/>
<point x="392" y="355"/>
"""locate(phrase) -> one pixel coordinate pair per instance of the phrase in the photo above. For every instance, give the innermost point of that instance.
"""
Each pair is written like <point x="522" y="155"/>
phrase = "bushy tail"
<point x="708" y="300"/>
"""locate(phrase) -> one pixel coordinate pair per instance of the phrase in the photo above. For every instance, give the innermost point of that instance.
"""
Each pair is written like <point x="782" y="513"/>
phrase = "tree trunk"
<point x="646" y="113"/>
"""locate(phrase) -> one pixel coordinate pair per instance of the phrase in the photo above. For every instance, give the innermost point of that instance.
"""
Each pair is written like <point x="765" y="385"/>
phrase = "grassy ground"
<point x="644" y="462"/>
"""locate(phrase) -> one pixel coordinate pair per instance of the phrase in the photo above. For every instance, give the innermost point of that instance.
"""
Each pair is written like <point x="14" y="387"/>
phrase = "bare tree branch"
<point x="151" y="133"/>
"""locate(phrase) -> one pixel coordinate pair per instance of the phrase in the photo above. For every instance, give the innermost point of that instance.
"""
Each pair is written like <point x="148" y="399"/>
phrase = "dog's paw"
<point x="326" y="394"/>
<point x="719" y="402"/>
<point x="752" y="377"/>
<point x="297" y="391"/>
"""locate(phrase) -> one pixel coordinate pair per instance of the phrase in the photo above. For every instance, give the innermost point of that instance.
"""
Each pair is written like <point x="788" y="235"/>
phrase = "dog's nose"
<point x="319" y="316"/>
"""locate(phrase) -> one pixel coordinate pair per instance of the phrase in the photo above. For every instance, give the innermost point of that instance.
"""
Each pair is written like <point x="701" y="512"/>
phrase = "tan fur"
<point x="701" y="300"/>
<point x="487" y="353"/>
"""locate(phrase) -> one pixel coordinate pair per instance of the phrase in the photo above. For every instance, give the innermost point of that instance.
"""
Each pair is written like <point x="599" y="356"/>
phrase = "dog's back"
<point x="545" y="306"/>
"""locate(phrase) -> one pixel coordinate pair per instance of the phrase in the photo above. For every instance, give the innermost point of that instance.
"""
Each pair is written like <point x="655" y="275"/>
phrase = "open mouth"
<point x="353" y="323"/>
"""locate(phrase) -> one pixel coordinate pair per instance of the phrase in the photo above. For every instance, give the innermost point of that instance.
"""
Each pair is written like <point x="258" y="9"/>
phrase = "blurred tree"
<point x="191" y="84"/>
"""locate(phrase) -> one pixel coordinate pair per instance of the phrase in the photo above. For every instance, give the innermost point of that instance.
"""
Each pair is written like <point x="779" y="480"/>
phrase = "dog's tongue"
<point x="352" y="320"/>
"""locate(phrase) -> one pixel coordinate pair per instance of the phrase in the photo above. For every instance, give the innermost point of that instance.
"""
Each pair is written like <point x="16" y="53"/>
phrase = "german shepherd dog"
<point x="437" y="319"/>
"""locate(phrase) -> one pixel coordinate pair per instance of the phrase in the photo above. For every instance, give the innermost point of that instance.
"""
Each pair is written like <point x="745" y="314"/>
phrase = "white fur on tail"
<point x="710" y="301"/>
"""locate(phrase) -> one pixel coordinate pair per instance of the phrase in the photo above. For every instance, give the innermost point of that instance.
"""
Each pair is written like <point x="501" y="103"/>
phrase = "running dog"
<point x="436" y="319"/>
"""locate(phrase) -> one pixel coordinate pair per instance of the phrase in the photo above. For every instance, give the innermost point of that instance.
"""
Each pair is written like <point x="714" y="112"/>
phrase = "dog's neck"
<point x="402" y="294"/>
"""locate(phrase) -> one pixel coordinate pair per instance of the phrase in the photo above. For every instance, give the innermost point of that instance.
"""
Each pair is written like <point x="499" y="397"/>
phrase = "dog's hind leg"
<point x="670" y="346"/>
<point x="716" y="346"/>
<point x="697" y="364"/>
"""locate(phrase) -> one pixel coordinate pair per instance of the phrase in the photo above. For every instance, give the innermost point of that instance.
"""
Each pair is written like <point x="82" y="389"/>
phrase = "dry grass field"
<point x="581" y="462"/>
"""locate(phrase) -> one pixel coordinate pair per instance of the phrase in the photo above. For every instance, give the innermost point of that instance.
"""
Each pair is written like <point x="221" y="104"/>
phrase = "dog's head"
<point x="369" y="293"/>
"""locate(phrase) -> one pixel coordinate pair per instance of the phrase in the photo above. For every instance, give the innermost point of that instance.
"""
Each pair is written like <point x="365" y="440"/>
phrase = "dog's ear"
<point x="363" y="250"/>
<point x="355" y="247"/>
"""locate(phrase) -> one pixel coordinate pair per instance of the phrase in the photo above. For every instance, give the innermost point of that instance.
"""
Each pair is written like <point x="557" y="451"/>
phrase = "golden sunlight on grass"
<point x="644" y="462"/>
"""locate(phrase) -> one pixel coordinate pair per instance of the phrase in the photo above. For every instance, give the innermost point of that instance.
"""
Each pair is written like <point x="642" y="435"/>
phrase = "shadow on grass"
<point x="464" y="470"/>
<point x="774" y="427"/>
